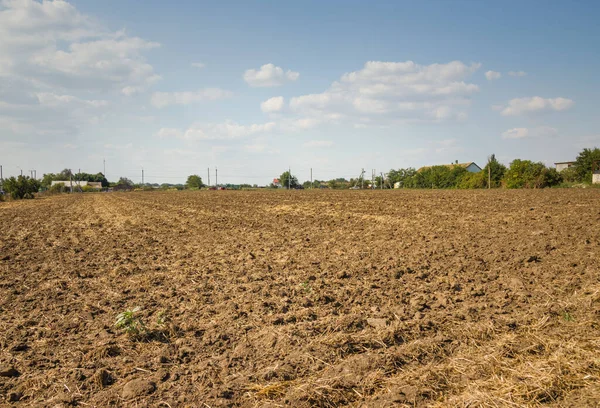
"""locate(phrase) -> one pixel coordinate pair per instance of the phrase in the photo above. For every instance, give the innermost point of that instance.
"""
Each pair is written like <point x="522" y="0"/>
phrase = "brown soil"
<point x="269" y="299"/>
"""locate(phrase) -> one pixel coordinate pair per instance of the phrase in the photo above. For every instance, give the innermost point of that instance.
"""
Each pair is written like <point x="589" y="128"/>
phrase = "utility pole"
<point x="35" y="174"/>
<point x="382" y="181"/>
<point x="104" y="167"/>
<point x="372" y="179"/>
<point x="489" y="175"/>
<point x="311" y="182"/>
<point x="362" y="178"/>
<point x="71" y="180"/>
<point x="289" y="178"/>
<point x="216" y="177"/>
<point x="1" y="178"/>
<point x="142" y="177"/>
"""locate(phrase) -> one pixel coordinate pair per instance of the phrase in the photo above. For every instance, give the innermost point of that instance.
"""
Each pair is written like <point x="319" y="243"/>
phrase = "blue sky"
<point x="255" y="87"/>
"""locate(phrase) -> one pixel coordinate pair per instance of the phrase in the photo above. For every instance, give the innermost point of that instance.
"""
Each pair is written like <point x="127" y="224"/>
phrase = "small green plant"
<point x="567" y="316"/>
<point x="306" y="286"/>
<point x="162" y="318"/>
<point x="130" y="322"/>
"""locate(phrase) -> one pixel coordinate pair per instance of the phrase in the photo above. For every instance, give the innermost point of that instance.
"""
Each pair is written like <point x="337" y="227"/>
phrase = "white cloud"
<point x="261" y="148"/>
<point x="297" y="124"/>
<point x="318" y="143"/>
<point x="167" y="133"/>
<point x="269" y="75"/>
<point x="520" y="106"/>
<point x="118" y="147"/>
<point x="536" y="132"/>
<point x="53" y="100"/>
<point x="216" y="131"/>
<point x="445" y="145"/>
<point x="272" y="105"/>
<point x="517" y="73"/>
<point x="57" y="66"/>
<point x="163" y="99"/>
<point x="393" y="91"/>
<point x="199" y="65"/>
<point x="515" y="133"/>
<point x="491" y="75"/>
<point x="131" y="90"/>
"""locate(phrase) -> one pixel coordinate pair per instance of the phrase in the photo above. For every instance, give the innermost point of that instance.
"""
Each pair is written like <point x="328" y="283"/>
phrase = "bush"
<point x="439" y="177"/>
<point x="57" y="189"/>
<point x="570" y="175"/>
<point x="528" y="174"/>
<point x="89" y="189"/>
<point x="472" y="180"/>
<point x="21" y="187"/>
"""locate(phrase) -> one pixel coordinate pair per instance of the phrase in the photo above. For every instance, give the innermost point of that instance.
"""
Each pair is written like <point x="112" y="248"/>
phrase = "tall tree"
<point x="583" y="164"/>
<point x="287" y="180"/>
<point x="194" y="181"/>
<point x="494" y="171"/>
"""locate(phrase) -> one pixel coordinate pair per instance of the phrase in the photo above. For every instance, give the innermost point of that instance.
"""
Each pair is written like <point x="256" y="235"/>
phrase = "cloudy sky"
<point x="254" y="87"/>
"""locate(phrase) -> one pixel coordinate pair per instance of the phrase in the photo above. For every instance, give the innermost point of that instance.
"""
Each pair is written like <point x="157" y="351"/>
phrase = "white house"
<point x="560" y="166"/>
<point x="94" y="184"/>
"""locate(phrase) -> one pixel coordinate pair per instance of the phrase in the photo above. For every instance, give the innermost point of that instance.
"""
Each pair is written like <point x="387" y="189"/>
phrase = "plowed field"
<point x="302" y="298"/>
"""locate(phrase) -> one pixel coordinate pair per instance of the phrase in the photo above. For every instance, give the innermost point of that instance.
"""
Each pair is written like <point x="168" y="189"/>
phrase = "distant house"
<point x="471" y="167"/>
<point x="277" y="183"/>
<point x="93" y="184"/>
<point x="560" y="166"/>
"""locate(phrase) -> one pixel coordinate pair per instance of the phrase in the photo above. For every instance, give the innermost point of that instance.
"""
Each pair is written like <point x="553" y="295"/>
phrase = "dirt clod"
<point x="102" y="378"/>
<point x="138" y="388"/>
<point x="14" y="396"/>
<point x="8" y="371"/>
<point x="377" y="323"/>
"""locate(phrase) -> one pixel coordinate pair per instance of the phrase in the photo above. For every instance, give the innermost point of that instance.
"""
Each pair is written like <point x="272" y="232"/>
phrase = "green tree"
<point x="124" y="184"/>
<point x="472" y="180"/>
<point x="584" y="162"/>
<point x="439" y="177"/>
<point x="47" y="180"/>
<point x="528" y="174"/>
<point x="64" y="175"/>
<point x="96" y="178"/>
<point x="21" y="187"/>
<point x="496" y="170"/>
<point x="287" y="180"/>
<point x="406" y="177"/>
<point x="194" y="181"/>
<point x="570" y="175"/>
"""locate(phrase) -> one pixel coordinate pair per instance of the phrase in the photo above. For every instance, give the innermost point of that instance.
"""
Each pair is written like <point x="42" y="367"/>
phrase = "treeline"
<point x="519" y="174"/>
<point x="66" y="175"/>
